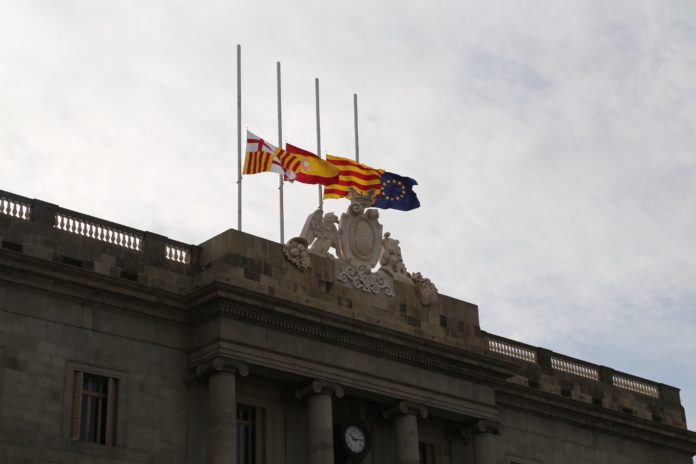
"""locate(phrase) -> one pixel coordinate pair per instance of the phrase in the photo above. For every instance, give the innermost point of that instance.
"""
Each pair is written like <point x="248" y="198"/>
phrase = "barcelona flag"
<point x="397" y="193"/>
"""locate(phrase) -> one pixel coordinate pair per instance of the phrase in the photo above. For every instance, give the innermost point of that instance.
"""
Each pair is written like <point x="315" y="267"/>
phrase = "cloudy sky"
<point x="553" y="143"/>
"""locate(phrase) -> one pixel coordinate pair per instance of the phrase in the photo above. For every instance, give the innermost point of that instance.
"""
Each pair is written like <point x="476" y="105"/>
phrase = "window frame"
<point x="262" y="411"/>
<point x="429" y="449"/>
<point x="117" y="380"/>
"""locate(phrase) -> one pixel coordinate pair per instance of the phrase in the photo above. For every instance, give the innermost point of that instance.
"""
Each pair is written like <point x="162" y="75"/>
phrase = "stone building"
<point x="124" y="346"/>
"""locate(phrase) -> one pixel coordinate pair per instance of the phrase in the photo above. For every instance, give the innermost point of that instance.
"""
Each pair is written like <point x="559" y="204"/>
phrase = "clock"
<point x="355" y="439"/>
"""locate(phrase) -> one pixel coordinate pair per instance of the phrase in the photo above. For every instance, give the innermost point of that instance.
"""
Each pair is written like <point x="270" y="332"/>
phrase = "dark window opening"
<point x="426" y="452"/>
<point x="94" y="409"/>
<point x="246" y="434"/>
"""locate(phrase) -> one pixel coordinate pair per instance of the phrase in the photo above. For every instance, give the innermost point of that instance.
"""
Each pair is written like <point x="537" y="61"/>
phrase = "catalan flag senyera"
<point x="308" y="167"/>
<point x="261" y="156"/>
<point x="352" y="174"/>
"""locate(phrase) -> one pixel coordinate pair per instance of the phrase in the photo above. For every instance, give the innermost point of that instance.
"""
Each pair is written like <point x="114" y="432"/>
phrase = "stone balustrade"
<point x="589" y="383"/>
<point x="72" y="222"/>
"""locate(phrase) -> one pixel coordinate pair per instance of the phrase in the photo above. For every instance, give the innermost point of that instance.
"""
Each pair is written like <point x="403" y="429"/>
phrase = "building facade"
<point x="124" y="346"/>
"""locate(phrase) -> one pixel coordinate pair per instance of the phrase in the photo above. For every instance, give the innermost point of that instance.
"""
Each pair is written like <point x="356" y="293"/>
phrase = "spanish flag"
<point x="308" y="167"/>
<point x="353" y="174"/>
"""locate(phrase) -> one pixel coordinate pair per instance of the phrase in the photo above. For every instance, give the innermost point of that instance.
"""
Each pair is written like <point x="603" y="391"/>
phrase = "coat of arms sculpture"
<point x="359" y="246"/>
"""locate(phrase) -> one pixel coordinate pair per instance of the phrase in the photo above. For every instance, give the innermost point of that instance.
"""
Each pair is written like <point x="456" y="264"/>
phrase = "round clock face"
<point x="355" y="439"/>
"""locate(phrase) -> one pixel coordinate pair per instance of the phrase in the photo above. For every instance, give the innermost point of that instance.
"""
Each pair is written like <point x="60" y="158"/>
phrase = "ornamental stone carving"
<point x="219" y="364"/>
<point x="406" y="408"/>
<point x="359" y="246"/>
<point x="296" y="252"/>
<point x="320" y="387"/>
<point x="321" y="233"/>
<point x="362" y="278"/>
<point x="360" y="233"/>
<point x="391" y="261"/>
<point x="426" y="290"/>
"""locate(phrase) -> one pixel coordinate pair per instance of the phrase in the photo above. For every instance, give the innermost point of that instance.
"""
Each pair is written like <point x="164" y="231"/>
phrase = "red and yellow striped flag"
<point x="353" y="174"/>
<point x="308" y="167"/>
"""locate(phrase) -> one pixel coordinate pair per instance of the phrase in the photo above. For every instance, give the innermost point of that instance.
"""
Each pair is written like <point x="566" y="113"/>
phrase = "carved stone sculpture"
<point x="367" y="281"/>
<point x="296" y="252"/>
<point x="360" y="246"/>
<point x="427" y="292"/>
<point x="360" y="232"/>
<point x="391" y="261"/>
<point x="321" y="233"/>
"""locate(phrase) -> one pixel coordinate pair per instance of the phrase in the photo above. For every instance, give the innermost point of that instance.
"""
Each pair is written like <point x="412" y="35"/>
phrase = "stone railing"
<point x="98" y="229"/>
<point x="636" y="385"/>
<point x="512" y="348"/>
<point x="558" y="362"/>
<point x="573" y="366"/>
<point x="159" y="248"/>
<point x="15" y="206"/>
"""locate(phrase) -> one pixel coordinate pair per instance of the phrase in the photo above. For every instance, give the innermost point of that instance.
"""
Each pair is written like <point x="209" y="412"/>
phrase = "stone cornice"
<point x="355" y="341"/>
<point x="592" y="417"/>
<point x="82" y="284"/>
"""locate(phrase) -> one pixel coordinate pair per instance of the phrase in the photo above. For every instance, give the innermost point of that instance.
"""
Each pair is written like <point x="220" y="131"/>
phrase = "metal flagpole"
<point x="239" y="137"/>
<point x="316" y="93"/>
<point x="280" y="144"/>
<point x="355" y="114"/>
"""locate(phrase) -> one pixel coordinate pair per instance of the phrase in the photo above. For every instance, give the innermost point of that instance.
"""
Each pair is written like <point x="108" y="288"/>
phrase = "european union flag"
<point x="397" y="193"/>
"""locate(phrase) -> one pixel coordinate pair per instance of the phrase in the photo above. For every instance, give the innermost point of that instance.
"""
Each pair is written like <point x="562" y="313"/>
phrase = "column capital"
<point x="466" y="432"/>
<point x="320" y="387"/>
<point x="219" y="364"/>
<point x="406" y="408"/>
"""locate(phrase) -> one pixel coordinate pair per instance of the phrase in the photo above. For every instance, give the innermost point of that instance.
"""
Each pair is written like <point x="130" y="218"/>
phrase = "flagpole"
<point x="355" y="116"/>
<point x="316" y="93"/>
<point x="280" y="145"/>
<point x="239" y="137"/>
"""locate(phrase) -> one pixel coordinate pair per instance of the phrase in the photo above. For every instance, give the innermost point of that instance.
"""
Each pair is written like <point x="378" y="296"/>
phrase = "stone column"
<point x="486" y="442"/>
<point x="320" y="426"/>
<point x="222" y="406"/>
<point x="405" y="416"/>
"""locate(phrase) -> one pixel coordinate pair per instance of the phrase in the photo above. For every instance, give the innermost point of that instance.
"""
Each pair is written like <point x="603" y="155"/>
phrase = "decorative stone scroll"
<point x="364" y="279"/>
<point x="218" y="364"/>
<point x="317" y="387"/>
<point x="296" y="252"/>
<point x="466" y="432"/>
<point x="404" y="408"/>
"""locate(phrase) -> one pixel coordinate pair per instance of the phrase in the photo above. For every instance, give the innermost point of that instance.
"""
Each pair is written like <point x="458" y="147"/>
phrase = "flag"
<point x="397" y="193"/>
<point x="353" y="174"/>
<point x="308" y="167"/>
<point x="261" y="156"/>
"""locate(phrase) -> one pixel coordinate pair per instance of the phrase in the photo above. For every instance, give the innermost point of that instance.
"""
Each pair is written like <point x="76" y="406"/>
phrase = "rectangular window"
<point x="94" y="408"/>
<point x="427" y="453"/>
<point x="246" y="434"/>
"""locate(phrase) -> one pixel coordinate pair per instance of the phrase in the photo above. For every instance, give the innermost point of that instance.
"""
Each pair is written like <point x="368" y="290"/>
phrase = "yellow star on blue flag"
<point x="397" y="193"/>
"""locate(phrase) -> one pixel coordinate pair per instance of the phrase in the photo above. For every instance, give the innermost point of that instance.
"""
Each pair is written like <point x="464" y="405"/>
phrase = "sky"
<point x="552" y="141"/>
